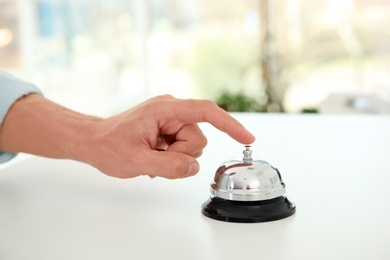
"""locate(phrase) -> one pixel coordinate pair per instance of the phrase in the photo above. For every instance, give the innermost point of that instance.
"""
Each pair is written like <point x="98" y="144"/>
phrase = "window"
<point x="102" y="57"/>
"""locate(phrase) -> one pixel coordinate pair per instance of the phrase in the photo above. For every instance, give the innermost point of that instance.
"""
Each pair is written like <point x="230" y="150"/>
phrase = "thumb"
<point x="171" y="165"/>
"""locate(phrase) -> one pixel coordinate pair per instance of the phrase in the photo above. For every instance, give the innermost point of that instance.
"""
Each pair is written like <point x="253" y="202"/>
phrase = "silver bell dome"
<point x="247" y="179"/>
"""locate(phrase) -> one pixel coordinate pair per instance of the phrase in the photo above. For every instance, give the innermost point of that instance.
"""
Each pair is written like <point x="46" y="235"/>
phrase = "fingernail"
<point x="192" y="170"/>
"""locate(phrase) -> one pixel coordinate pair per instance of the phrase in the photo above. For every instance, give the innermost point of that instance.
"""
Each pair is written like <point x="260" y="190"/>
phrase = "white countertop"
<point x="336" y="170"/>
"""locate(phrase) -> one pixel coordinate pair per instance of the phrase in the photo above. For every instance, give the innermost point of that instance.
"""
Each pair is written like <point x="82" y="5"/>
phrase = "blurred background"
<point x="293" y="56"/>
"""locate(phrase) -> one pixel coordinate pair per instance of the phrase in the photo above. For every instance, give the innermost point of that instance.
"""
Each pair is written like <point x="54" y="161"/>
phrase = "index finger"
<point x="195" y="111"/>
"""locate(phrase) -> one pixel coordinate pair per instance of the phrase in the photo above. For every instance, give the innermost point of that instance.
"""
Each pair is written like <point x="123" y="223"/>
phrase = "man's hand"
<point x="159" y="137"/>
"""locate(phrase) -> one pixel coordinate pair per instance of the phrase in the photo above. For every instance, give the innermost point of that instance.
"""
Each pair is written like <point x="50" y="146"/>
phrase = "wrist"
<point x="80" y="143"/>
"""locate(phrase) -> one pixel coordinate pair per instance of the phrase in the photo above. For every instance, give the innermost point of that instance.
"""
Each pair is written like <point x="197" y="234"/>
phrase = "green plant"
<point x="239" y="102"/>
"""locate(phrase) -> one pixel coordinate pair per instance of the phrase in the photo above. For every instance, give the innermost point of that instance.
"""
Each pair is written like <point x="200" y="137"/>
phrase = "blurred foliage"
<point x="229" y="71"/>
<point x="225" y="64"/>
<point x="240" y="103"/>
<point x="310" y="111"/>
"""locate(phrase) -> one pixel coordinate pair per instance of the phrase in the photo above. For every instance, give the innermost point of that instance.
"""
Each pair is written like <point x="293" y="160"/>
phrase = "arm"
<point x="159" y="137"/>
<point x="38" y="126"/>
<point x="11" y="89"/>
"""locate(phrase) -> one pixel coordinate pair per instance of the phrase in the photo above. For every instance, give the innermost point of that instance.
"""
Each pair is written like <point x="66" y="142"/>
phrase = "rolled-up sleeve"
<point x="11" y="89"/>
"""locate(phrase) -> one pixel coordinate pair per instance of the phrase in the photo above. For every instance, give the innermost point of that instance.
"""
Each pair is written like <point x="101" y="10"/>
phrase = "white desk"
<point x="336" y="169"/>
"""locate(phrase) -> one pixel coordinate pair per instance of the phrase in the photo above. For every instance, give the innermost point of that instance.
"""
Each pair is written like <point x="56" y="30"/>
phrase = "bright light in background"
<point x="341" y="6"/>
<point x="6" y="37"/>
<point x="102" y="57"/>
<point x="336" y="11"/>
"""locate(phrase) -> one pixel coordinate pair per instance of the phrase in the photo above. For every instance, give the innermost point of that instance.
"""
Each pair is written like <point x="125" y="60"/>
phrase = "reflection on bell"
<point x="247" y="190"/>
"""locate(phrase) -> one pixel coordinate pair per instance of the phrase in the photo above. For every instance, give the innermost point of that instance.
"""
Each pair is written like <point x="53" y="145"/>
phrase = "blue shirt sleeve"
<point x="11" y="89"/>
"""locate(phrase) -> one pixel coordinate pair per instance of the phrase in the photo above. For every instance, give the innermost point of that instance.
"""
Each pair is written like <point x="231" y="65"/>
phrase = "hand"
<point x="159" y="137"/>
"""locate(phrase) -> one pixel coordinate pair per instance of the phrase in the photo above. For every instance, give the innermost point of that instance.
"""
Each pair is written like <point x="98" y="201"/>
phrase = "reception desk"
<point x="336" y="169"/>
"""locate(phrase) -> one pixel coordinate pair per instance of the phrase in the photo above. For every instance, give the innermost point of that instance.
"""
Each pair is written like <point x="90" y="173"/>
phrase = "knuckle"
<point x="197" y="154"/>
<point x="208" y="103"/>
<point x="203" y="141"/>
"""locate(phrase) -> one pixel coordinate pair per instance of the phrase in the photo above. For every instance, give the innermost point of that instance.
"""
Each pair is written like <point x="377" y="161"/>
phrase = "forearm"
<point x="38" y="126"/>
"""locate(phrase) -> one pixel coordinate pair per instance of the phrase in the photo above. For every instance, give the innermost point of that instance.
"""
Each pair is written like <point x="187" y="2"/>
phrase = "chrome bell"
<point x="247" y="189"/>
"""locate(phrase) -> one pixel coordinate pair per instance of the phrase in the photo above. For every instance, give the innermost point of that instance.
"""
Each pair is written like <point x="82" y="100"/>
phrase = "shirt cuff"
<point x="12" y="89"/>
<point x="5" y="156"/>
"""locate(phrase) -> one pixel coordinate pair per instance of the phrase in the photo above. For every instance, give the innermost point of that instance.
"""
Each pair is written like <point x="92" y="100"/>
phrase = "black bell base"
<point x="248" y="211"/>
